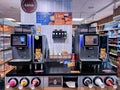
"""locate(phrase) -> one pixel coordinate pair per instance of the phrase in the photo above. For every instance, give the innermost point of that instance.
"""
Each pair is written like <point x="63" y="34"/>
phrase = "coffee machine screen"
<point x="91" y="40"/>
<point x="19" y="40"/>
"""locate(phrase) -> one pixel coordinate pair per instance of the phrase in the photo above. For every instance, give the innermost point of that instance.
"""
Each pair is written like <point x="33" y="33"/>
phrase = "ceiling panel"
<point x="80" y="8"/>
<point x="10" y="9"/>
<point x="92" y="10"/>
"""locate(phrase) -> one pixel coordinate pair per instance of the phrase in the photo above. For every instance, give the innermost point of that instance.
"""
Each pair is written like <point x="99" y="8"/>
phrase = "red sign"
<point x="29" y="6"/>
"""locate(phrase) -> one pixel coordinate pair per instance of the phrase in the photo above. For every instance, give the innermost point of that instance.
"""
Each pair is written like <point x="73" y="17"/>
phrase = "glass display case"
<point x="6" y="29"/>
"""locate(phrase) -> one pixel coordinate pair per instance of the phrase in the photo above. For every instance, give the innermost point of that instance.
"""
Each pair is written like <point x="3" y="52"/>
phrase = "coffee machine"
<point x="40" y="51"/>
<point x="28" y="50"/>
<point x="88" y="52"/>
<point x="21" y="48"/>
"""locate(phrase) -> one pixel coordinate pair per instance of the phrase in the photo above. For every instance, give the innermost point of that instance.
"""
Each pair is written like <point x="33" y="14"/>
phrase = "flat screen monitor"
<point x="18" y="39"/>
<point x="91" y="40"/>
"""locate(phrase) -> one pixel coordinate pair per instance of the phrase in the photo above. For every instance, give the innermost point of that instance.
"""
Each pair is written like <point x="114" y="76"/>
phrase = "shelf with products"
<point x="113" y="65"/>
<point x="53" y="57"/>
<point x="113" y="41"/>
<point x="113" y="61"/>
<point x="112" y="45"/>
<point x="7" y="69"/>
<point x="113" y="54"/>
<point x="112" y="30"/>
<point x="6" y="29"/>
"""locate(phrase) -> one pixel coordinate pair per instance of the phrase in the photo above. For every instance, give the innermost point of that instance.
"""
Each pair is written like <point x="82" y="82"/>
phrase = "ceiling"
<point x="10" y="9"/>
<point x="90" y="10"/>
<point x="93" y="10"/>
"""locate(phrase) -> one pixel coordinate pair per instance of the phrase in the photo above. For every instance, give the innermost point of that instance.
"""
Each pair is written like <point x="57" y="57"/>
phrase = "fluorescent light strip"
<point x="10" y="19"/>
<point x="18" y="22"/>
<point x="77" y="19"/>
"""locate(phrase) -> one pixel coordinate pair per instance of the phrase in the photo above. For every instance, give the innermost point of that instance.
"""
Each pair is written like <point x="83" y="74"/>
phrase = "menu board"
<point x="54" y="18"/>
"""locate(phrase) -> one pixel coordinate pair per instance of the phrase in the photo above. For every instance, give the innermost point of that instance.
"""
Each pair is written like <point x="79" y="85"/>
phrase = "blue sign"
<point x="44" y="18"/>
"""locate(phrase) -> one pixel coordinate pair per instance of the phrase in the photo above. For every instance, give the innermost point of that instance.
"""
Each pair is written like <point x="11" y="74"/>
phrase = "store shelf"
<point x="6" y="44"/>
<point x="113" y="45"/>
<point x="113" y="65"/>
<point x="113" y="29"/>
<point x="118" y="45"/>
<point x="113" y="62"/>
<point x="118" y="50"/>
<point x="60" y="57"/>
<point x="115" y="37"/>
<point x="5" y="49"/>
<point x="9" y="68"/>
<point x="113" y="32"/>
<point x="6" y="60"/>
<point x="6" y="29"/>
<point x="5" y="35"/>
<point x="113" y="54"/>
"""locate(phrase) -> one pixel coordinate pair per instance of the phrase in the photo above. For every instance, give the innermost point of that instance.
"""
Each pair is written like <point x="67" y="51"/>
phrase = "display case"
<point x="6" y="29"/>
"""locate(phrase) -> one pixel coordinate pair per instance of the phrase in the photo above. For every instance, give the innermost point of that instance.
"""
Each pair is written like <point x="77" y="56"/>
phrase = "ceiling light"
<point x="77" y="19"/>
<point x="18" y="22"/>
<point x="10" y="19"/>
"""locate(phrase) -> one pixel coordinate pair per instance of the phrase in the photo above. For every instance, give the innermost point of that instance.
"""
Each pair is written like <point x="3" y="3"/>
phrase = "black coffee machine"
<point x="88" y="52"/>
<point x="29" y="51"/>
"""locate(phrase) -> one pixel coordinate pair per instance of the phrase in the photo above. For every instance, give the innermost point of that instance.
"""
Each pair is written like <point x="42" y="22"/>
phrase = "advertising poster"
<point x="54" y="18"/>
<point x="45" y="18"/>
<point x="63" y="18"/>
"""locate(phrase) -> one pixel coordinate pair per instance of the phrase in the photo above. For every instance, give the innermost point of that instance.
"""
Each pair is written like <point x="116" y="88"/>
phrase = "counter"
<point x="56" y="76"/>
<point x="21" y="73"/>
<point x="60" y="88"/>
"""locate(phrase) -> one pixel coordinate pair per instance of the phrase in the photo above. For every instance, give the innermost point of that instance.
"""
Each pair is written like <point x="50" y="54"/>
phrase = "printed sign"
<point x="29" y="6"/>
<point x="63" y="18"/>
<point x="54" y="18"/>
<point x="45" y="18"/>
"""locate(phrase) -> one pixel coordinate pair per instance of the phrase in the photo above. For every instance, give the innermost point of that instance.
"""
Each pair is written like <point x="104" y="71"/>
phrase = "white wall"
<point x="58" y="47"/>
<point x="52" y="6"/>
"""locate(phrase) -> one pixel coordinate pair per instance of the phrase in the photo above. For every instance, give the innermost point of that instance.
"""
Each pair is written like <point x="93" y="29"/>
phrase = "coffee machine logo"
<point x="29" y="6"/>
<point x="36" y="37"/>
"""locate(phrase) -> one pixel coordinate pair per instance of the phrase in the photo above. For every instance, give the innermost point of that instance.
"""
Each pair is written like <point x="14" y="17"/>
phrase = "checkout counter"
<point x="41" y="73"/>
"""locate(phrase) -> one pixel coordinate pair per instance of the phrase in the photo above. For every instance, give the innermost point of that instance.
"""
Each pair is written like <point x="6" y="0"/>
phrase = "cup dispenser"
<point x="87" y="81"/>
<point x="13" y="82"/>
<point x="24" y="82"/>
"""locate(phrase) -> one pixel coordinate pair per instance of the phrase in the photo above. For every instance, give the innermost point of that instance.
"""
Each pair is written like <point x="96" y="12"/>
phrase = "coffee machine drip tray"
<point x="20" y="60"/>
<point x="89" y="59"/>
<point x="59" y="70"/>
